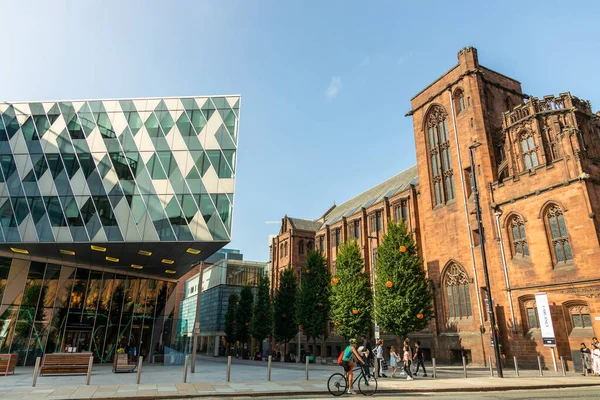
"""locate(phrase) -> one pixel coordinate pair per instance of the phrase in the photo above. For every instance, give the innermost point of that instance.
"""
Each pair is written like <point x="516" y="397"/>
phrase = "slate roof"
<point x="304" y="224"/>
<point x="389" y="188"/>
<point x="392" y="186"/>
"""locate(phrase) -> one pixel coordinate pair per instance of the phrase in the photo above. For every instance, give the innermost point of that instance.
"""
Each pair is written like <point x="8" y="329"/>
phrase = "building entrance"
<point x="77" y="341"/>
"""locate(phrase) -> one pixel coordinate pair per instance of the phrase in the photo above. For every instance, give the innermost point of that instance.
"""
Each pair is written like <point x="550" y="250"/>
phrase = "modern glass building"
<point x="103" y="205"/>
<point x="228" y="274"/>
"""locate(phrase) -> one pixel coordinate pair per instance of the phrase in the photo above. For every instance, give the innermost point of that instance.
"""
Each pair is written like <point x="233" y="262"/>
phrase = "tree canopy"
<point x="403" y="297"/>
<point x="352" y="300"/>
<point x="313" y="305"/>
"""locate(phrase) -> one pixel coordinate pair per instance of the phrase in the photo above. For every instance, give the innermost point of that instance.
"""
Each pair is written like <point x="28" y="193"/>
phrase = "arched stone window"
<point x="459" y="101"/>
<point x="558" y="237"/>
<point x="442" y="181"/>
<point x="518" y="238"/>
<point x="529" y="150"/>
<point x="310" y="245"/>
<point x="508" y="103"/>
<point x="458" y="296"/>
<point x="579" y="315"/>
<point x="281" y="250"/>
<point x="301" y="247"/>
<point x="530" y="316"/>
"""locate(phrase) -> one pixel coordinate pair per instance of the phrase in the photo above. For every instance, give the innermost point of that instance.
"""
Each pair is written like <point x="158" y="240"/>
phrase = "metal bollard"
<point x="516" y="366"/>
<point x="562" y="365"/>
<point x="540" y="365"/>
<point x="139" y="373"/>
<point x="465" y="366"/>
<point x="491" y="369"/>
<point x="434" y="371"/>
<point x="185" y="368"/>
<point x="36" y="371"/>
<point x="228" y="368"/>
<point x="89" y="371"/>
<point x="376" y="369"/>
<point x="269" y="368"/>
<point x="306" y="367"/>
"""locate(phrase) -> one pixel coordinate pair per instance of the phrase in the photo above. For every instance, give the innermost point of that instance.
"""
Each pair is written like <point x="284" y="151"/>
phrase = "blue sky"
<point x="325" y="85"/>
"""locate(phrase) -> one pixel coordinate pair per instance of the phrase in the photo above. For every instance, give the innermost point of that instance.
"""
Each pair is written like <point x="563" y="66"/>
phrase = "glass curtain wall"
<point x="49" y="308"/>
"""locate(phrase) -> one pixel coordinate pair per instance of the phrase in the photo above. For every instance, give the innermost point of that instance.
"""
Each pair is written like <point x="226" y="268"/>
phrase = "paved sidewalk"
<point x="280" y="389"/>
<point x="249" y="378"/>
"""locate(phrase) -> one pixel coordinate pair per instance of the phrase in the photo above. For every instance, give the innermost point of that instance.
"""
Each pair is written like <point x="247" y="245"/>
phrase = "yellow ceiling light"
<point x="17" y="250"/>
<point x="167" y="261"/>
<point x="144" y="253"/>
<point x="98" y="248"/>
<point x="136" y="266"/>
<point x="67" y="252"/>
<point x="170" y="271"/>
<point x="112" y="259"/>
<point x="193" y="251"/>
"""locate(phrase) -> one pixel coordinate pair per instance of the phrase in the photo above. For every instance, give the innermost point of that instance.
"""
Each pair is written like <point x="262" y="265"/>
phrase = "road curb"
<point x="382" y="391"/>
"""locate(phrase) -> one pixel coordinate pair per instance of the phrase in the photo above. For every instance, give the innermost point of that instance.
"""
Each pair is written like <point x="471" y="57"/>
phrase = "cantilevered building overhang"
<point x="138" y="185"/>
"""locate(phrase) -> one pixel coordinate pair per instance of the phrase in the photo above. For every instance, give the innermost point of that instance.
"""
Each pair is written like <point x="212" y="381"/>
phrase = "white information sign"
<point x="545" y="318"/>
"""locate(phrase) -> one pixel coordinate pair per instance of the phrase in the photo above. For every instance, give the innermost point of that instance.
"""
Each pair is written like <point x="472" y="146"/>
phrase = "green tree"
<point x="244" y="314"/>
<point x="403" y="297"/>
<point x="262" y="317"/>
<point x="285" y="308"/>
<point x="352" y="299"/>
<point x="313" y="301"/>
<point x="230" y="320"/>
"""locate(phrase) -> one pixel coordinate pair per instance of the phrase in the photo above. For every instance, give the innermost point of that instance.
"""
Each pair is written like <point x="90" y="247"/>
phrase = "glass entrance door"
<point x="77" y="341"/>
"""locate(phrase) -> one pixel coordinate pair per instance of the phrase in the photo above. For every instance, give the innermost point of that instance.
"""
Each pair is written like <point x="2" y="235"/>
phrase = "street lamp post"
<point x="373" y="284"/>
<point x="473" y="146"/>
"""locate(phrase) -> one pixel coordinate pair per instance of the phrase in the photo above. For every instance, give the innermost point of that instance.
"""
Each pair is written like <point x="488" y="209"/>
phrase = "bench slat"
<point x="65" y="363"/>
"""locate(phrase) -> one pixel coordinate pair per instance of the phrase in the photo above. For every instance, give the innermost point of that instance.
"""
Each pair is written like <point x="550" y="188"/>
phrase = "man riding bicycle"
<point x="350" y="353"/>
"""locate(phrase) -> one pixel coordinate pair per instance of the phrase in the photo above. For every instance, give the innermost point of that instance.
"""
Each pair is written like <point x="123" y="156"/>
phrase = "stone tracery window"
<point x="529" y="150"/>
<point x="518" y="238"/>
<point x="456" y="282"/>
<point x="556" y="229"/>
<point x="580" y="316"/>
<point x="531" y="316"/>
<point x="439" y="152"/>
<point x="301" y="247"/>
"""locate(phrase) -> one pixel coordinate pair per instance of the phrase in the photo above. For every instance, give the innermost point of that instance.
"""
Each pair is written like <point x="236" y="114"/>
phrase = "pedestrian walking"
<point x="596" y="361"/>
<point x="379" y="354"/>
<point x="586" y="359"/>
<point x="407" y="362"/>
<point x="394" y="359"/>
<point x="419" y="359"/>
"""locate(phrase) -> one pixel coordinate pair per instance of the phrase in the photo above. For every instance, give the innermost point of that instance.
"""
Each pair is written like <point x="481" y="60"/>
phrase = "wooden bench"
<point x="122" y="364"/>
<point x="8" y="362"/>
<point x="65" y="363"/>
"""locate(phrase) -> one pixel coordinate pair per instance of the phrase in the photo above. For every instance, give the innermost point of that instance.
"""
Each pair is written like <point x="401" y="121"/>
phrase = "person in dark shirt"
<point x="418" y="357"/>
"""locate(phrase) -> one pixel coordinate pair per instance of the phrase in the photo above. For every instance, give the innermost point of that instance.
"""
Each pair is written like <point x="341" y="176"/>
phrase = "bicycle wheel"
<point x="337" y="384"/>
<point x="367" y="386"/>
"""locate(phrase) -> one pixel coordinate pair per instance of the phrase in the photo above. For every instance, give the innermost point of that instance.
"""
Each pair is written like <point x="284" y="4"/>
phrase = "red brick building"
<point x="539" y="180"/>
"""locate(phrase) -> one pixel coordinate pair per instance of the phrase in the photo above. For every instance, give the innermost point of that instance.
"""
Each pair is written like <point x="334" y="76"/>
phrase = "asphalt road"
<point x="584" y="393"/>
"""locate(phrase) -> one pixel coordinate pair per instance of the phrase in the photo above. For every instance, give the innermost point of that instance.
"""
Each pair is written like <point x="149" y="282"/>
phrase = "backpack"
<point x="341" y="357"/>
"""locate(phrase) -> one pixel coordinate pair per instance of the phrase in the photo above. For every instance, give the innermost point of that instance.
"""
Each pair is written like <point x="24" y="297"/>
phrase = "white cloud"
<point x="334" y="87"/>
<point x="272" y="222"/>
<point x="366" y="61"/>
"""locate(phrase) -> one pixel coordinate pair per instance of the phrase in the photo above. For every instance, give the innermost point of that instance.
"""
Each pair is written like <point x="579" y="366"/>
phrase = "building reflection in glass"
<point x="48" y="308"/>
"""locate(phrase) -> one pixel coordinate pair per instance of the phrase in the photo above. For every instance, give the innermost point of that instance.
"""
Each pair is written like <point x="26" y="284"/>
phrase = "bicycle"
<point x="338" y="383"/>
